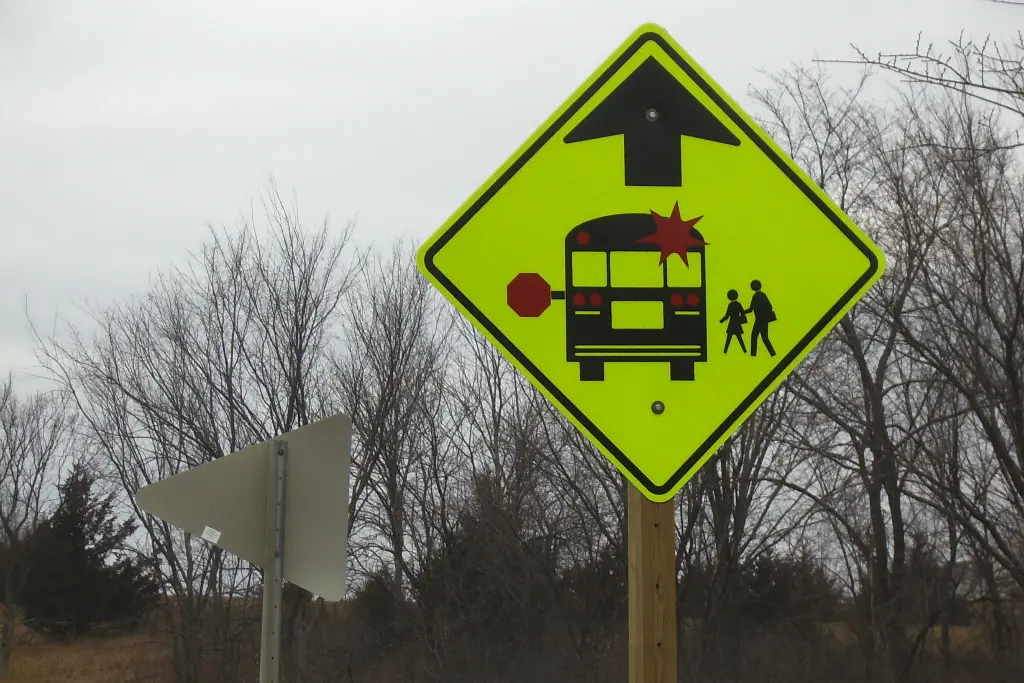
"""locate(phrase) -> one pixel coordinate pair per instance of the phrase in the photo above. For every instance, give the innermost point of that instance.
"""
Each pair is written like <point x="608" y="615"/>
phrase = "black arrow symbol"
<point x="652" y="110"/>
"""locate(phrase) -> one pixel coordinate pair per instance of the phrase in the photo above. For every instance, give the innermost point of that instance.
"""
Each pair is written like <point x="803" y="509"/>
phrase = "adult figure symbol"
<point x="761" y="307"/>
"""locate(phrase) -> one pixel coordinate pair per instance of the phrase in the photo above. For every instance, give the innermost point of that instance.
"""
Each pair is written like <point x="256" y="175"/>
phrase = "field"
<point x="146" y="658"/>
<point x="121" y="659"/>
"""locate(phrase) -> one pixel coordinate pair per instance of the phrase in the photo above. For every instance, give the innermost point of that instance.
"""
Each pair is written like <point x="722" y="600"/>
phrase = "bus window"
<point x="589" y="269"/>
<point x="636" y="269"/>
<point x="681" y="276"/>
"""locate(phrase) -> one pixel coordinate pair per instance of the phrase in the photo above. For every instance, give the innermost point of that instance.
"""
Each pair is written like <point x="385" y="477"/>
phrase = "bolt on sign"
<point x="652" y="261"/>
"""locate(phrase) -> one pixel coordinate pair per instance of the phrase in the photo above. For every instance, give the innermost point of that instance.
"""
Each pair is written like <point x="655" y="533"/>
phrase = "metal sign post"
<point x="273" y="567"/>
<point x="248" y="501"/>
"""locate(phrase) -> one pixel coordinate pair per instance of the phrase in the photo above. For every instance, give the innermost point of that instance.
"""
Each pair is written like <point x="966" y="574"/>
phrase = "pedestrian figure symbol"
<point x="736" y="317"/>
<point x="764" y="314"/>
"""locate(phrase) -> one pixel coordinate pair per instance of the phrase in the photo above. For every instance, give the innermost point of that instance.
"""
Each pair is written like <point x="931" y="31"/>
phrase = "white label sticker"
<point x="211" y="534"/>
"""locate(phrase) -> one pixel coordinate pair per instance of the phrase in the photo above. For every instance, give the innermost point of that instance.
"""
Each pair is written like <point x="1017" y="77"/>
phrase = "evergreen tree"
<point x="82" y="574"/>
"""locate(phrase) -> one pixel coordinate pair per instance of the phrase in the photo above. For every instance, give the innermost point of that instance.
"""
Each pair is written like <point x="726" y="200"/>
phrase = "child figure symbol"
<point x="736" y="318"/>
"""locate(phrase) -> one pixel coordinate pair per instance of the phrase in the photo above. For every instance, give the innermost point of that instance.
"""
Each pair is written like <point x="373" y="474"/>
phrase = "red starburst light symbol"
<point x="673" y="235"/>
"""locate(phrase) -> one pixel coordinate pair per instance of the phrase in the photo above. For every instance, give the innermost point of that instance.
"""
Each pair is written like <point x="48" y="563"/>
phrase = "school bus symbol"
<point x="625" y="301"/>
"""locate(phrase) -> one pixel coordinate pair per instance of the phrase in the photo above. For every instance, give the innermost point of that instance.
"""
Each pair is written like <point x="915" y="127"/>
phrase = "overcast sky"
<point x="127" y="125"/>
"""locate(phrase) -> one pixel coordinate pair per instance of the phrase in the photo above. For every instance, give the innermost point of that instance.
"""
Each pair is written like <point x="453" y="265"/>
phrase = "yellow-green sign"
<point x="652" y="261"/>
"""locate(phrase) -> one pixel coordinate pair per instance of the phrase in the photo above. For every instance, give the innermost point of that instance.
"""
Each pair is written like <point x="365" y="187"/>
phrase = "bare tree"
<point x="36" y="440"/>
<point x="735" y="511"/>
<point x="856" y="384"/>
<point x="966" y="322"/>
<point x="388" y="375"/>
<point x="585" y="508"/>
<point x="988" y="71"/>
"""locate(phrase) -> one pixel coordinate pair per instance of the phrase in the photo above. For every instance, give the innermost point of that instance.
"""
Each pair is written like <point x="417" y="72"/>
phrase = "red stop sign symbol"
<point x="529" y="295"/>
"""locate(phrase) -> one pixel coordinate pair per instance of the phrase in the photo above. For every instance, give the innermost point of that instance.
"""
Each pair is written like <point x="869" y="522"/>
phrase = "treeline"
<point x="66" y="568"/>
<point x="866" y="524"/>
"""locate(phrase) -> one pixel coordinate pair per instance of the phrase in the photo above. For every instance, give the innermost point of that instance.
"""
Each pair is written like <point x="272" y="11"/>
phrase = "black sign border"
<point x="785" y="365"/>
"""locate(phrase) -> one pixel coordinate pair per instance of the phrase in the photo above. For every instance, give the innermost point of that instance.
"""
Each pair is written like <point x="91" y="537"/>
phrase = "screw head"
<point x="657" y="407"/>
<point x="652" y="115"/>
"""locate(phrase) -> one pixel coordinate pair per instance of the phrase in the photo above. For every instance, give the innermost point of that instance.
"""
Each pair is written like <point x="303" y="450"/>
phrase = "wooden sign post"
<point x="652" y="589"/>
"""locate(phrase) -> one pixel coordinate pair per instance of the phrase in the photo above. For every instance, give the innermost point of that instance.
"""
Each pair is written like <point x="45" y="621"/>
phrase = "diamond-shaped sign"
<point x="652" y="262"/>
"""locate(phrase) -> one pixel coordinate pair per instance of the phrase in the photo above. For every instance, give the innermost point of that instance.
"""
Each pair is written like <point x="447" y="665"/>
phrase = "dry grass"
<point x="125" y="659"/>
<point x="964" y="640"/>
<point x="146" y="658"/>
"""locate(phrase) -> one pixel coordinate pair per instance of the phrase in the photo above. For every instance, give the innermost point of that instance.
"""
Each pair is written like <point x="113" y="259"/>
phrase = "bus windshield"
<point x="634" y="269"/>
<point x="641" y="269"/>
